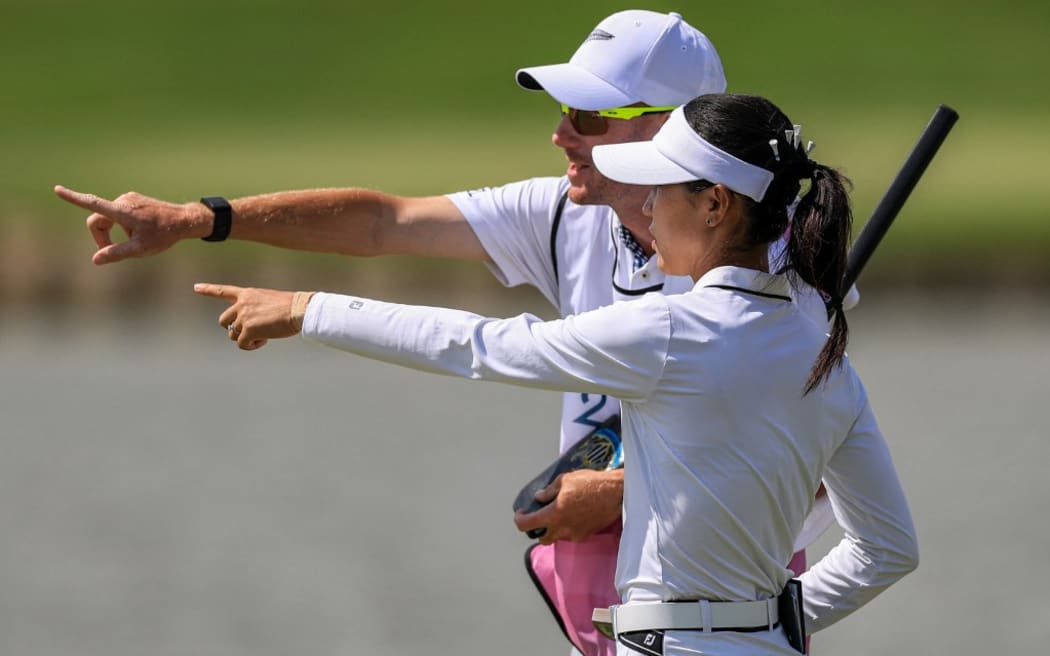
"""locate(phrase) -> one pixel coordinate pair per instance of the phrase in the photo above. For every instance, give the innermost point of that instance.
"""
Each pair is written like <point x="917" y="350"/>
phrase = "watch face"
<point x="216" y="203"/>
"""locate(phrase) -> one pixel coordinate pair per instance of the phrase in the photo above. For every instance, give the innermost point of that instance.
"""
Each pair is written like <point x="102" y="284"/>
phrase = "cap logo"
<point x="598" y="35"/>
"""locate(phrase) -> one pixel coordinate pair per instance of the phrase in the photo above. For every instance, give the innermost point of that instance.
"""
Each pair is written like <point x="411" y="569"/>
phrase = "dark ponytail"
<point x="817" y="250"/>
<point x="743" y="126"/>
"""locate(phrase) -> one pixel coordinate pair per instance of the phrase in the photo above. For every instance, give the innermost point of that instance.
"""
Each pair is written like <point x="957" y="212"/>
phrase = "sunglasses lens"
<point x="587" y="123"/>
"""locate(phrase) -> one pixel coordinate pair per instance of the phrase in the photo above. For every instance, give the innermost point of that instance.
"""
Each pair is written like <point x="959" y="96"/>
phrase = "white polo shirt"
<point x="579" y="262"/>
<point x="579" y="266"/>
<point x="723" y="453"/>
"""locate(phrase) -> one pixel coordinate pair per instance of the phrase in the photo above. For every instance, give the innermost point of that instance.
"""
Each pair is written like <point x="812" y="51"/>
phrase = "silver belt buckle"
<point x="602" y="618"/>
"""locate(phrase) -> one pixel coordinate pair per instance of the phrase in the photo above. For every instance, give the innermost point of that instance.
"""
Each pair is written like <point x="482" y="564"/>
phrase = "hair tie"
<point x="804" y="169"/>
<point x="833" y="304"/>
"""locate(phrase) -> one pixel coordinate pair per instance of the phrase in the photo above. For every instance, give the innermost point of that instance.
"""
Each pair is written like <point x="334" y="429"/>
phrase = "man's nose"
<point x="565" y="135"/>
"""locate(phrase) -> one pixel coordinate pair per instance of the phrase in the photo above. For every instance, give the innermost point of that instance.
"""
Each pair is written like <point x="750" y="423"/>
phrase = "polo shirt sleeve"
<point x="879" y="546"/>
<point x="589" y="353"/>
<point x="513" y="224"/>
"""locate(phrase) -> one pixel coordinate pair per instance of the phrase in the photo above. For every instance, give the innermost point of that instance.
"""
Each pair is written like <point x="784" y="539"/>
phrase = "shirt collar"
<point x="753" y="280"/>
<point x="639" y="258"/>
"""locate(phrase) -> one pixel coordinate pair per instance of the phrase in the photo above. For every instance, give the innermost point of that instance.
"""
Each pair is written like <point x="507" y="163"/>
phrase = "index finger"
<point x="228" y="292"/>
<point x="86" y="201"/>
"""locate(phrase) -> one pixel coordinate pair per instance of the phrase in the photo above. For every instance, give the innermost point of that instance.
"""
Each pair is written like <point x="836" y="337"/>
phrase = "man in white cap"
<point x="580" y="239"/>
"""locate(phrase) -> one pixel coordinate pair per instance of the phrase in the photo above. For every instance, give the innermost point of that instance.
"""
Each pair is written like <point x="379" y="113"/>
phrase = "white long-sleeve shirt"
<point x="723" y="452"/>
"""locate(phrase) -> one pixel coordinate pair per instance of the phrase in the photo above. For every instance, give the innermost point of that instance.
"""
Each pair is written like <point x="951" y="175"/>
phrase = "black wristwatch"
<point x="223" y="217"/>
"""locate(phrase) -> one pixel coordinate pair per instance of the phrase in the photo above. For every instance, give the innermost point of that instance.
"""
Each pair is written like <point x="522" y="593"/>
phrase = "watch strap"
<point x="223" y="212"/>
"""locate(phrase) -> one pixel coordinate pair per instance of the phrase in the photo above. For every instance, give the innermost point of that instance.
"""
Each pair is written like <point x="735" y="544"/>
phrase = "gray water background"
<point x="163" y="493"/>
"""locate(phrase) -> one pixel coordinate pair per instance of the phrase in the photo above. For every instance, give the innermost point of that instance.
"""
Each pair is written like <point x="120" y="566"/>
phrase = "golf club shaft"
<point x="886" y="211"/>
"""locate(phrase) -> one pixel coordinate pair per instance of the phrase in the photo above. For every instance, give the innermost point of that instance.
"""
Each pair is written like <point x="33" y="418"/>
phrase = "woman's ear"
<point x="719" y="201"/>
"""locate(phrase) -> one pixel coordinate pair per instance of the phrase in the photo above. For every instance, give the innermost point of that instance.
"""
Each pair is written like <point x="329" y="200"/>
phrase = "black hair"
<point x="817" y="247"/>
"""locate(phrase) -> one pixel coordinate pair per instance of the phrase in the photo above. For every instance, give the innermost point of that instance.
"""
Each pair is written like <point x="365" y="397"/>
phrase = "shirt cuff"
<point x="312" y="318"/>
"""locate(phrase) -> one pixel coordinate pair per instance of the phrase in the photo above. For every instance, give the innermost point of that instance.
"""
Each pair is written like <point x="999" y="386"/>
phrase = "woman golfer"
<point x="735" y="405"/>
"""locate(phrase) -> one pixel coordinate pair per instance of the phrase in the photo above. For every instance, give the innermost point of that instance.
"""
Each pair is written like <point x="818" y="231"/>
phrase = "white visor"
<point x="678" y="154"/>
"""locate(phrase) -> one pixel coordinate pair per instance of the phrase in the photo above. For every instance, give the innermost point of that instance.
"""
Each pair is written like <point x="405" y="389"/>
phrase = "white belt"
<point x="689" y="615"/>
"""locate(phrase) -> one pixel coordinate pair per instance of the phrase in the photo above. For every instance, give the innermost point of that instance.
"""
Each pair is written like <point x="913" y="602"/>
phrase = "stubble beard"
<point x="599" y="191"/>
<point x="607" y="192"/>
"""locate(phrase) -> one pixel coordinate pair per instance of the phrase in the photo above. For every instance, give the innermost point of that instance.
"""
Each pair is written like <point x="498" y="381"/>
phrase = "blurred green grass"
<point x="181" y="99"/>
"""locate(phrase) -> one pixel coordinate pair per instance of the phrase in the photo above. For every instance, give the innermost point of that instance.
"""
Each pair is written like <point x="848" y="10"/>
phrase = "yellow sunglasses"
<point x="591" y="122"/>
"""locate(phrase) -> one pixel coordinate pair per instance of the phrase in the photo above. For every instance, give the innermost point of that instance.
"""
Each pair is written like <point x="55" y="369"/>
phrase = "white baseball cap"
<point x="630" y="57"/>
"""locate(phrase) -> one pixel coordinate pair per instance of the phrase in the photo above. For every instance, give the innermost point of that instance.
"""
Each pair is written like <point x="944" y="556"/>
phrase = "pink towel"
<point x="574" y="578"/>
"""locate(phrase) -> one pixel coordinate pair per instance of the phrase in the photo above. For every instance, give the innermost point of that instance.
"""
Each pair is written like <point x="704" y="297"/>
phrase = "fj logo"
<point x="650" y="638"/>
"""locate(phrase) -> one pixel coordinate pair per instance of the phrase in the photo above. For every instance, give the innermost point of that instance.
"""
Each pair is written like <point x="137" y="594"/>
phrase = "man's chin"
<point x="583" y="194"/>
<point x="580" y="195"/>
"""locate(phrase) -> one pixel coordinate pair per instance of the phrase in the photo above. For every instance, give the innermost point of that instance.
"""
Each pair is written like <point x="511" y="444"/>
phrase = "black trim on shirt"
<point x="742" y="290"/>
<point x="637" y="292"/>
<point x="616" y="264"/>
<point x="554" y="233"/>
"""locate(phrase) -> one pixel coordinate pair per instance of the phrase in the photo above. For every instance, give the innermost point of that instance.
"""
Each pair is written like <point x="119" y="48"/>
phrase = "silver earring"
<point x="709" y="221"/>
